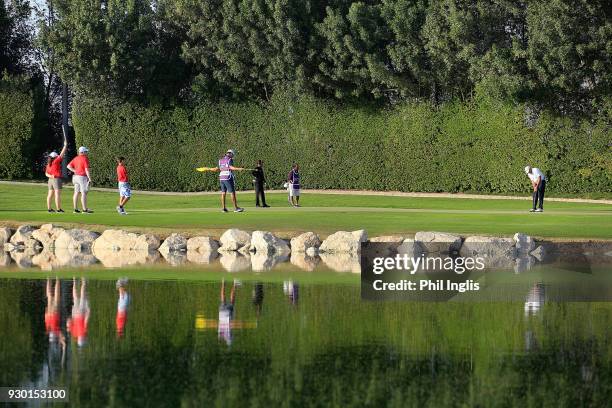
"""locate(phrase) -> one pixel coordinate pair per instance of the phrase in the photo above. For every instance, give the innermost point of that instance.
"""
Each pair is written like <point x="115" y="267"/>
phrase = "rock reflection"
<point x="233" y="261"/>
<point x="342" y="262"/>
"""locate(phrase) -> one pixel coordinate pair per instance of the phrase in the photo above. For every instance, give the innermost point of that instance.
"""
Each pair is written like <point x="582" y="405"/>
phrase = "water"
<point x="295" y="339"/>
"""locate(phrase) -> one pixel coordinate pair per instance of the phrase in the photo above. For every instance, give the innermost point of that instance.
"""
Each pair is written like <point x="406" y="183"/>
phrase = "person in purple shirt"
<point x="293" y="185"/>
<point x="226" y="179"/>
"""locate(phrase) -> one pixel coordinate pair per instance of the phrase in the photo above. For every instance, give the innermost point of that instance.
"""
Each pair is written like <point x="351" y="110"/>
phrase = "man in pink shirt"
<point x="81" y="179"/>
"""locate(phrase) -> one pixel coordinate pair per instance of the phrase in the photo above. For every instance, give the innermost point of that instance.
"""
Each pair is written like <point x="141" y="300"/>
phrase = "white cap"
<point x="83" y="149"/>
<point x="53" y="155"/>
<point x="231" y="151"/>
<point x="527" y="168"/>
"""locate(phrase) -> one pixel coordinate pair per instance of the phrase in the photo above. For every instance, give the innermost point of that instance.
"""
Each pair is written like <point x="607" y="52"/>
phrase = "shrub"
<point x="20" y="130"/>
<point x="481" y="146"/>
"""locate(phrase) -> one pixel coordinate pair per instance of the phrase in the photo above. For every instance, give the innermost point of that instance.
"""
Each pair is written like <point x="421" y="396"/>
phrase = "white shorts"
<point x="81" y="184"/>
<point x="293" y="192"/>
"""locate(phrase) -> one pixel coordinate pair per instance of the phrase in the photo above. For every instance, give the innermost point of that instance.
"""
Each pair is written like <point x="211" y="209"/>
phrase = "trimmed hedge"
<point x="479" y="146"/>
<point x="19" y="129"/>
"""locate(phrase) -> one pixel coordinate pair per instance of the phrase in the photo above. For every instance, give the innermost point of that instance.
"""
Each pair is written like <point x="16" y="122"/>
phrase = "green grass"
<point x="320" y="213"/>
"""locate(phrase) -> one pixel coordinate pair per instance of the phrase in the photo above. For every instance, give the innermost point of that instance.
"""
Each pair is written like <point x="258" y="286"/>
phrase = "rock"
<point x="266" y="243"/>
<point x="5" y="235"/>
<point x="438" y="242"/>
<point x="394" y="240"/>
<point x="524" y="243"/>
<point x="233" y="261"/>
<point x="5" y="259"/>
<point x="304" y="241"/>
<point x="47" y="234"/>
<point x="202" y="250"/>
<point x="122" y="240"/>
<point x="304" y="261"/>
<point x="8" y="247"/>
<point x="174" y="243"/>
<point x="539" y="253"/>
<point x="74" y="257"/>
<point x="410" y="247"/>
<point x="76" y="239"/>
<point x="384" y="245"/>
<point x="263" y="262"/>
<point x="344" y="242"/>
<point x="342" y="262"/>
<point x="481" y="245"/>
<point x="524" y="263"/>
<point x="202" y="244"/>
<point x="147" y="243"/>
<point x="234" y="239"/>
<point x="23" y="259"/>
<point x="312" y="252"/>
<point x="112" y="258"/>
<point x="23" y="237"/>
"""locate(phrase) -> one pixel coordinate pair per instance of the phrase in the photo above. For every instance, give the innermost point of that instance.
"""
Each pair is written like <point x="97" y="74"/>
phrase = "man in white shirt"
<point x="538" y="182"/>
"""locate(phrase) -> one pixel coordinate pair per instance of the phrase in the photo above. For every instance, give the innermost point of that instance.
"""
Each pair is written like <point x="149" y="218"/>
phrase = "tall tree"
<point x="123" y="48"/>
<point x="15" y="36"/>
<point x="569" y="49"/>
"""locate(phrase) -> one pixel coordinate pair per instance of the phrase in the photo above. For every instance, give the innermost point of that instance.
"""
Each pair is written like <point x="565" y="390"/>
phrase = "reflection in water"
<point x="226" y="313"/>
<point x="122" y="306"/>
<point x="77" y="324"/>
<point x="292" y="291"/>
<point x="332" y="350"/>
<point x="535" y="299"/>
<point x="53" y="327"/>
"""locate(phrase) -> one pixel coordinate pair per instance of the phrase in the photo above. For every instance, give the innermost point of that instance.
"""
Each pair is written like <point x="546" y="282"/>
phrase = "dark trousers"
<point x="538" y="195"/>
<point x="259" y="192"/>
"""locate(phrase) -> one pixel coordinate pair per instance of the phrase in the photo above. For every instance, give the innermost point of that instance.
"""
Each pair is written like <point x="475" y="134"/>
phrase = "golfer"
<point x="538" y="182"/>
<point x="226" y="178"/>
<point x="259" y="181"/>
<point x="293" y="185"/>
<point x="125" y="191"/>
<point x="54" y="172"/>
<point x="81" y="179"/>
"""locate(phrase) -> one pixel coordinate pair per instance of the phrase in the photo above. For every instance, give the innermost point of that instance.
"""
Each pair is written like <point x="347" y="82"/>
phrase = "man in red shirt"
<point x="81" y="179"/>
<point x="54" y="172"/>
<point x="125" y="191"/>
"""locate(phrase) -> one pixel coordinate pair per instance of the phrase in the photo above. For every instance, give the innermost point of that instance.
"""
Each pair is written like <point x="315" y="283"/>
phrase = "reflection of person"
<point x="81" y="179"/>
<point x="538" y="182"/>
<point x="77" y="324"/>
<point x="535" y="299"/>
<point x="259" y="181"/>
<point x="291" y="289"/>
<point x="52" y="312"/>
<point x="293" y="181"/>
<point x="258" y="296"/>
<point x="226" y="313"/>
<point x="122" y="306"/>
<point x="54" y="172"/>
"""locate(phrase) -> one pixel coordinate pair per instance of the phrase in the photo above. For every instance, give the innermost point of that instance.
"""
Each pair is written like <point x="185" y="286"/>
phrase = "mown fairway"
<point x="321" y="213"/>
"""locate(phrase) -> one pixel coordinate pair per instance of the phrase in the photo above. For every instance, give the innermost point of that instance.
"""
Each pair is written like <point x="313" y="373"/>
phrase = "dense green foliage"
<point x="555" y="53"/>
<point x="15" y="36"/>
<point x="20" y="132"/>
<point x="481" y="146"/>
